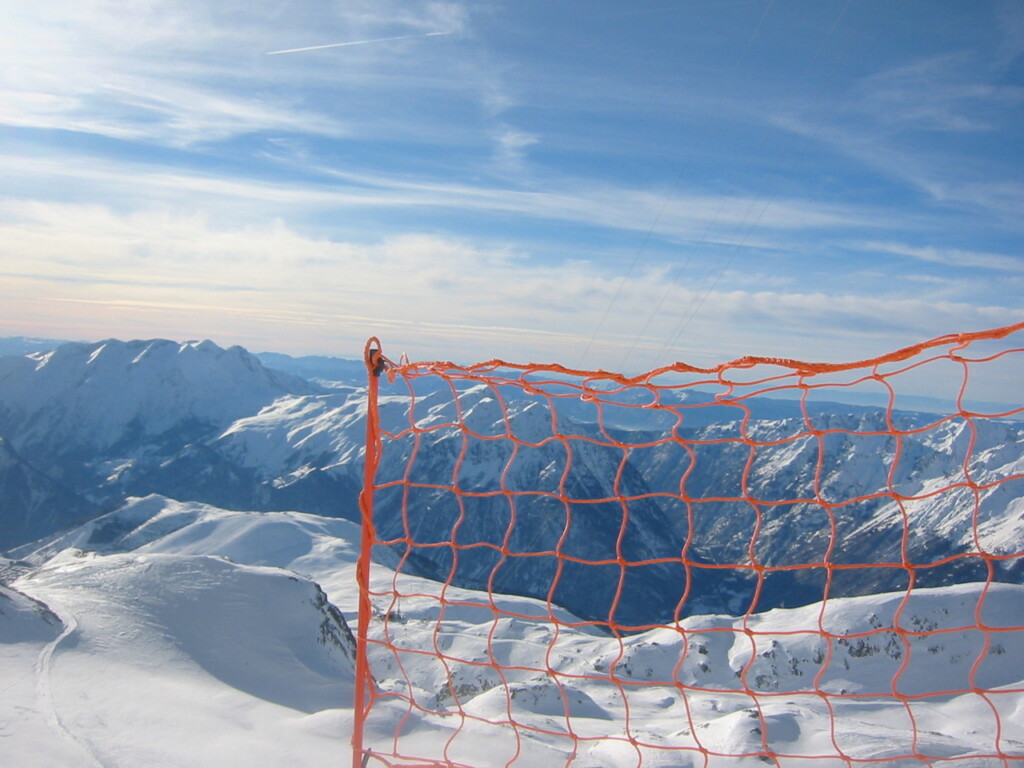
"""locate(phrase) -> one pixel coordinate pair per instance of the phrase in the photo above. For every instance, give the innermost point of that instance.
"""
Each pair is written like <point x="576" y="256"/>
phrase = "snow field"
<point x="197" y="636"/>
<point x="184" y="660"/>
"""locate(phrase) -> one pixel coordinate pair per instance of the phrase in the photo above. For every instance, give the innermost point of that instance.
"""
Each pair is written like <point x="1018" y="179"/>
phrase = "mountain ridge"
<point x="204" y="424"/>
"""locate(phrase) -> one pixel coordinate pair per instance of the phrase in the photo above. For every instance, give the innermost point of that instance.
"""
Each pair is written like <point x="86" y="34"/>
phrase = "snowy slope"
<point x="319" y="548"/>
<point x="176" y="660"/>
<point x="230" y="659"/>
<point x="296" y="435"/>
<point x="750" y="689"/>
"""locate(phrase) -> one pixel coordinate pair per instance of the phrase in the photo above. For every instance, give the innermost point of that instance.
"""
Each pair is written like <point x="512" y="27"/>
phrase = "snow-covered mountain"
<point x="82" y="398"/>
<point x="324" y="369"/>
<point x="114" y="418"/>
<point x="32" y="504"/>
<point x="87" y="425"/>
<point x="787" y="496"/>
<point x="176" y="633"/>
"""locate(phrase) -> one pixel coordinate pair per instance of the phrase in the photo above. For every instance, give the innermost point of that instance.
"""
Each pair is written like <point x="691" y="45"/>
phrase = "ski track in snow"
<point x="44" y="687"/>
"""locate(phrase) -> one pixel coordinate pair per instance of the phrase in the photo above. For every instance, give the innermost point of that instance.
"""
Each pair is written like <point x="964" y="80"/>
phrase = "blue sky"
<point x="601" y="184"/>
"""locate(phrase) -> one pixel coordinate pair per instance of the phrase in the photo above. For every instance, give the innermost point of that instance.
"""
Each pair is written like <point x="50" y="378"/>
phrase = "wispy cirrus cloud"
<point x="170" y="73"/>
<point x="511" y="145"/>
<point x="941" y="93"/>
<point x="961" y="101"/>
<point x="723" y="219"/>
<point x="953" y="257"/>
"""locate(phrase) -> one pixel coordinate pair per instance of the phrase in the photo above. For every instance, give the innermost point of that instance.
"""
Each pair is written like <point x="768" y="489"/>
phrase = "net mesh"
<point x="695" y="566"/>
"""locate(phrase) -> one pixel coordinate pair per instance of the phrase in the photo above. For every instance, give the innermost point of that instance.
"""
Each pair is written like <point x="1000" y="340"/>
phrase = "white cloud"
<point x="511" y="145"/>
<point x="960" y="101"/>
<point x="271" y="287"/>
<point x="690" y="218"/>
<point x="939" y="93"/>
<point x="953" y="257"/>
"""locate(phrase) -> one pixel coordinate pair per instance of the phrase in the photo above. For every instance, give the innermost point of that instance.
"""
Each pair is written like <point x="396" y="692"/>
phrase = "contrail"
<point x="356" y="42"/>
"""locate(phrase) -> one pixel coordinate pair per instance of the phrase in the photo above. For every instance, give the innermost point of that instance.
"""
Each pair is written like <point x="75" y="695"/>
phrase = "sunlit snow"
<point x="169" y="633"/>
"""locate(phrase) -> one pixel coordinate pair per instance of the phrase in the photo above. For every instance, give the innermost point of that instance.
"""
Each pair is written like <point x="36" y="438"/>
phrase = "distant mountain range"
<point x="85" y="426"/>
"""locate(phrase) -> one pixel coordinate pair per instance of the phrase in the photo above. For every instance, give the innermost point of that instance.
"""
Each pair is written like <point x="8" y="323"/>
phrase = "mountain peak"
<point x="87" y="395"/>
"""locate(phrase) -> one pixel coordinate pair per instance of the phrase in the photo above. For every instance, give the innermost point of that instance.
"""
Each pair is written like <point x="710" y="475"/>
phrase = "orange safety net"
<point x="695" y="566"/>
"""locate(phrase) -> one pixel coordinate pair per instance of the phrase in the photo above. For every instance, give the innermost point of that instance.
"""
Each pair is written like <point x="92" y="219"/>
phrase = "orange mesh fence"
<point x="769" y="561"/>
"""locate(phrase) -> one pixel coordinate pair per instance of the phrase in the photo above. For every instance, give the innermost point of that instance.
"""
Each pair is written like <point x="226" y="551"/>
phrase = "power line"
<point x="669" y="197"/>
<point x="696" y="303"/>
<point x="770" y="198"/>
